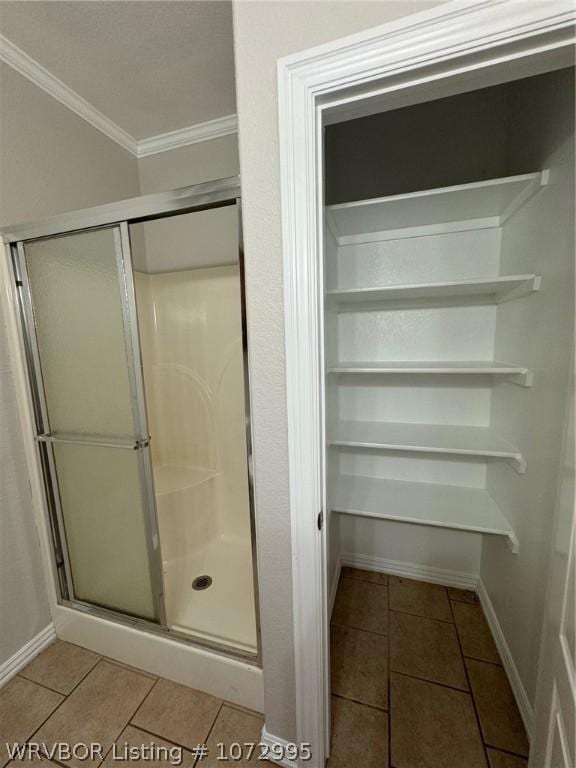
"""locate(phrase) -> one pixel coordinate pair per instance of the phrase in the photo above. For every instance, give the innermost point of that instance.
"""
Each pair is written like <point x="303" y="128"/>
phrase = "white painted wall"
<point x="433" y="333"/>
<point x="540" y="238"/>
<point x="263" y="32"/>
<point x="466" y="140"/>
<point x="453" y="555"/>
<point x="50" y="161"/>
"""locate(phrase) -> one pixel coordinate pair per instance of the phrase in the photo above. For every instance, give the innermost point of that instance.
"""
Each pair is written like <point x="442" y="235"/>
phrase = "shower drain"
<point x="202" y="582"/>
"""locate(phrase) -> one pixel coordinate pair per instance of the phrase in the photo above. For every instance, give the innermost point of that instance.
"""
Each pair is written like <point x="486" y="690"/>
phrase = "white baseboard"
<point x="24" y="656"/>
<point x="275" y="741"/>
<point x="518" y="689"/>
<point x="447" y="577"/>
<point x="334" y="585"/>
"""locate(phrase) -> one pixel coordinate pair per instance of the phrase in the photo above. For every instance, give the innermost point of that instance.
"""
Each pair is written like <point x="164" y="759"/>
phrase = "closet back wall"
<point x="465" y="140"/>
<point x="393" y="153"/>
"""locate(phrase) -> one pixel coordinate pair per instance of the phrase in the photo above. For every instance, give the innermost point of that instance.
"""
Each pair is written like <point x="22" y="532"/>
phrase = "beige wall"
<point x="50" y="161"/>
<point x="205" y="161"/>
<point x="263" y="32"/>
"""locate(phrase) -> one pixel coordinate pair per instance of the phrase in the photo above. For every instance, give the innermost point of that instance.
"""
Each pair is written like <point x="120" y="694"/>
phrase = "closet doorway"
<point x="411" y="417"/>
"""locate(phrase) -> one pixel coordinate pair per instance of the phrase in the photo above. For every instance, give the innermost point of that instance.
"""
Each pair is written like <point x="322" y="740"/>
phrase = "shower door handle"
<point x="133" y="445"/>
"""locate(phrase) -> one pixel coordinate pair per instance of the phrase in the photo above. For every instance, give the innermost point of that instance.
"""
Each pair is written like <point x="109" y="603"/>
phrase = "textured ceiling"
<point x="151" y="67"/>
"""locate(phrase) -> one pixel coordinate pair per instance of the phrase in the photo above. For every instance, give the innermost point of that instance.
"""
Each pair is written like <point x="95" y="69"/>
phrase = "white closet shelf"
<point x="444" y="439"/>
<point x="493" y="290"/>
<point x="514" y="373"/>
<point x="171" y="478"/>
<point x="489" y="202"/>
<point x="444" y="506"/>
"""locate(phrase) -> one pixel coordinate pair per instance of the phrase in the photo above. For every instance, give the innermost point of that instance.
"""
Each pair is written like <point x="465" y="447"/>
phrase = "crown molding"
<point x="213" y="129"/>
<point x="26" y="66"/>
<point x="40" y="76"/>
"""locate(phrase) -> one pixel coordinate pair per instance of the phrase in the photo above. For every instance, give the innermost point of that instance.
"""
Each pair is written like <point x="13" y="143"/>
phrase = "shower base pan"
<point x="224" y="612"/>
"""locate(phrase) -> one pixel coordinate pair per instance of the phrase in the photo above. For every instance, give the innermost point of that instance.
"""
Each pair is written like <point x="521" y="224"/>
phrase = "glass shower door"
<point x="83" y="349"/>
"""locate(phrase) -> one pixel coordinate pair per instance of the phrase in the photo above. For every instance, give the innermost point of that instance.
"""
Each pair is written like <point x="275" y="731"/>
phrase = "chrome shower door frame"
<point x="210" y="195"/>
<point x="46" y="440"/>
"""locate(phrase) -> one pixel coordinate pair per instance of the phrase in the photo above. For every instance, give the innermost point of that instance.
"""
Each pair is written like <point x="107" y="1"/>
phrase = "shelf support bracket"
<point x="525" y="379"/>
<point x="513" y="543"/>
<point x="519" y="464"/>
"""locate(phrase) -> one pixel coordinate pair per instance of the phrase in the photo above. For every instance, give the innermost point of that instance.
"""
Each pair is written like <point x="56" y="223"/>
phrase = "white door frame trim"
<point x="455" y="38"/>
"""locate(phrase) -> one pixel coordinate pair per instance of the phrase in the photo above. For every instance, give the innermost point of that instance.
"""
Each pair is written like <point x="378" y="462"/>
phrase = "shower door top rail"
<point x="210" y="194"/>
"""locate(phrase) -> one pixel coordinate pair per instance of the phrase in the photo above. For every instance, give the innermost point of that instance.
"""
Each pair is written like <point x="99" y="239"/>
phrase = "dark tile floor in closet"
<point x="417" y="681"/>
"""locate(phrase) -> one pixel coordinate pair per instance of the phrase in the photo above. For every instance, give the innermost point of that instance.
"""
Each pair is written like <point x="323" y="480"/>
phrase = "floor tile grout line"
<point x="207" y="737"/>
<point x="153" y="678"/>
<point x="361" y="703"/>
<point x="445" y="622"/>
<point x="42" y="685"/>
<point x="83" y="677"/>
<point x="358" y="629"/>
<point x="466" y="602"/>
<point x="508" y="752"/>
<point x="139" y="707"/>
<point x="240" y="708"/>
<point x="35" y="731"/>
<point x="439" y="621"/>
<point x="155" y="736"/>
<point x="130" y="668"/>
<point x="129" y="721"/>
<point x="65" y="695"/>
<point x="431" y="682"/>
<point x="422" y="616"/>
<point x="126" y="724"/>
<point x="472" y="696"/>
<point x="484" y="661"/>
<point x="159" y="736"/>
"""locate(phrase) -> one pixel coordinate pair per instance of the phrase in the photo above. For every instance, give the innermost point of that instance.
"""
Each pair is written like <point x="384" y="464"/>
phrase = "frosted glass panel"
<point x="78" y="314"/>
<point x="104" y="525"/>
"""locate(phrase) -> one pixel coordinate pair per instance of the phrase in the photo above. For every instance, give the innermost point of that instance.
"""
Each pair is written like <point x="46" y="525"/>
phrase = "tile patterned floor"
<point x="417" y="680"/>
<point x="69" y="694"/>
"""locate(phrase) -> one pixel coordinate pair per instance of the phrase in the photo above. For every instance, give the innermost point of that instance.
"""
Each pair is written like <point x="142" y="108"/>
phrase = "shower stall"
<point x="132" y="327"/>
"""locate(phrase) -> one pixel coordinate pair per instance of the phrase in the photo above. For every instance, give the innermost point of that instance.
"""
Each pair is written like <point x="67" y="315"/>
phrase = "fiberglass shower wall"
<point x="188" y="288"/>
